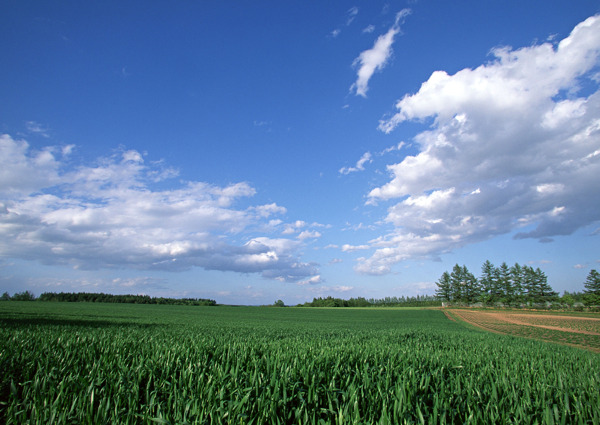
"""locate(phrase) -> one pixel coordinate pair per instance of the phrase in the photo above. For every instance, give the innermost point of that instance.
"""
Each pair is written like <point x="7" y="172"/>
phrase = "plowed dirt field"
<point x="579" y="331"/>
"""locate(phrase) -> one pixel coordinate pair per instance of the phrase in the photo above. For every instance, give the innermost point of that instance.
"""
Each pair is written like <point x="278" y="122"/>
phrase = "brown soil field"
<point x="578" y="331"/>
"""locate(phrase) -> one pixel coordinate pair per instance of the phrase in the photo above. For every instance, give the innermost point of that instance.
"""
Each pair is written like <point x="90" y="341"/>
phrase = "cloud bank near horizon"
<point x="110" y="215"/>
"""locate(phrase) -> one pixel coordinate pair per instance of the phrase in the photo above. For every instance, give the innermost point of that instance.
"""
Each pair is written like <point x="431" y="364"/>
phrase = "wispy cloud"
<point x="37" y="128"/>
<point x="314" y="280"/>
<point x="350" y="16"/>
<point x="352" y="248"/>
<point x="360" y="164"/>
<point x="369" y="29"/>
<point x="376" y="58"/>
<point x="512" y="148"/>
<point x="393" y="148"/>
<point x="264" y="125"/>
<point x="109" y="215"/>
<point x="326" y="290"/>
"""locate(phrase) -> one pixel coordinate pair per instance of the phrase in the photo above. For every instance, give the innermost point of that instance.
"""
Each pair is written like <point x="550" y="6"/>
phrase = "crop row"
<point x="573" y="331"/>
<point x="261" y="367"/>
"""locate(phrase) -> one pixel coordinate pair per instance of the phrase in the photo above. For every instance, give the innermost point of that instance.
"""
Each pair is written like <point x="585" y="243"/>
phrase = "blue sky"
<point x="255" y="151"/>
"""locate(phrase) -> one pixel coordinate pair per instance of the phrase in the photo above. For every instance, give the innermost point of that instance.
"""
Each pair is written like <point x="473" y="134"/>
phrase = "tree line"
<point x="417" y="301"/>
<point x="106" y="298"/>
<point x="512" y="286"/>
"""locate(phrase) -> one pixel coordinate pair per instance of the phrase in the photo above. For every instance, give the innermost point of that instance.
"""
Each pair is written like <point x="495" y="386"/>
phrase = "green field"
<point x="83" y="363"/>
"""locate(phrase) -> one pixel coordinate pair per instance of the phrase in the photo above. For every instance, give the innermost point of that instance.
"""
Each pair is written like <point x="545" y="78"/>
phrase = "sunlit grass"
<point x="138" y="364"/>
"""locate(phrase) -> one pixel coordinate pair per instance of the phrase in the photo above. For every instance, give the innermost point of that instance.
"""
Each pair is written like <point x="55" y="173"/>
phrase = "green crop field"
<point x="85" y="363"/>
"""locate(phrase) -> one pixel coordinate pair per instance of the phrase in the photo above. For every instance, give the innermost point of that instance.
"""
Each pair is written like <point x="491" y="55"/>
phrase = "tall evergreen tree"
<point x="471" y="290"/>
<point x="538" y="289"/>
<point x="457" y="284"/>
<point x="505" y="284"/>
<point x="516" y="276"/>
<point x="592" y="288"/>
<point x="443" y="292"/>
<point x="530" y="284"/>
<point x="547" y="294"/>
<point x="488" y="283"/>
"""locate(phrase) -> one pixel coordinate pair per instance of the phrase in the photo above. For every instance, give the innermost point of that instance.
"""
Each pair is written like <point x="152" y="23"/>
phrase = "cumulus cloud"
<point x="291" y="228"/>
<point x="268" y="210"/>
<point x="309" y="234"/>
<point x="110" y="216"/>
<point x="376" y="58"/>
<point x="24" y="170"/>
<point x="360" y="164"/>
<point x="514" y="146"/>
<point x="299" y="225"/>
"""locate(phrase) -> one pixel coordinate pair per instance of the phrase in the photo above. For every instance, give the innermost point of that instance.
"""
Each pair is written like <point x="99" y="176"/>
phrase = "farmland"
<point x="578" y="330"/>
<point x="87" y="363"/>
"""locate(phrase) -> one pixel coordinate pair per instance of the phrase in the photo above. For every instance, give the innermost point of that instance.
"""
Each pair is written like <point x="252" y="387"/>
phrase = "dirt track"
<point x="571" y="330"/>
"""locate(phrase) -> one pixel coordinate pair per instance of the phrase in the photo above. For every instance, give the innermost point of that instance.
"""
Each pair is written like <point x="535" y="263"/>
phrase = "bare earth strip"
<point x="583" y="332"/>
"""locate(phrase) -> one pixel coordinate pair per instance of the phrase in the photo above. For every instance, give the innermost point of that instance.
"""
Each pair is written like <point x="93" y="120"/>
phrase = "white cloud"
<point x="512" y="147"/>
<point x="109" y="216"/>
<point x="376" y="58"/>
<point x="324" y="290"/>
<point x="359" y="226"/>
<point x="360" y="164"/>
<point x="309" y="234"/>
<point x="314" y="280"/>
<point x="350" y="16"/>
<point x="298" y="225"/>
<point x="392" y="148"/>
<point x="352" y="248"/>
<point x="292" y="228"/>
<point x="37" y="128"/>
<point x="369" y="29"/>
<point x="24" y="170"/>
<point x="269" y="210"/>
<point x="341" y="288"/>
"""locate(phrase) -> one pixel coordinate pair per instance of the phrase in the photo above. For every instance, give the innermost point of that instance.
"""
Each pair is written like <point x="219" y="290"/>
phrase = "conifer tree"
<point x="505" y="285"/>
<point x="592" y="288"/>
<point x="488" y="283"/>
<point x="530" y="285"/>
<point x="516" y="277"/>
<point x="547" y="294"/>
<point x="443" y="292"/>
<point x="471" y="291"/>
<point x="457" y="283"/>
